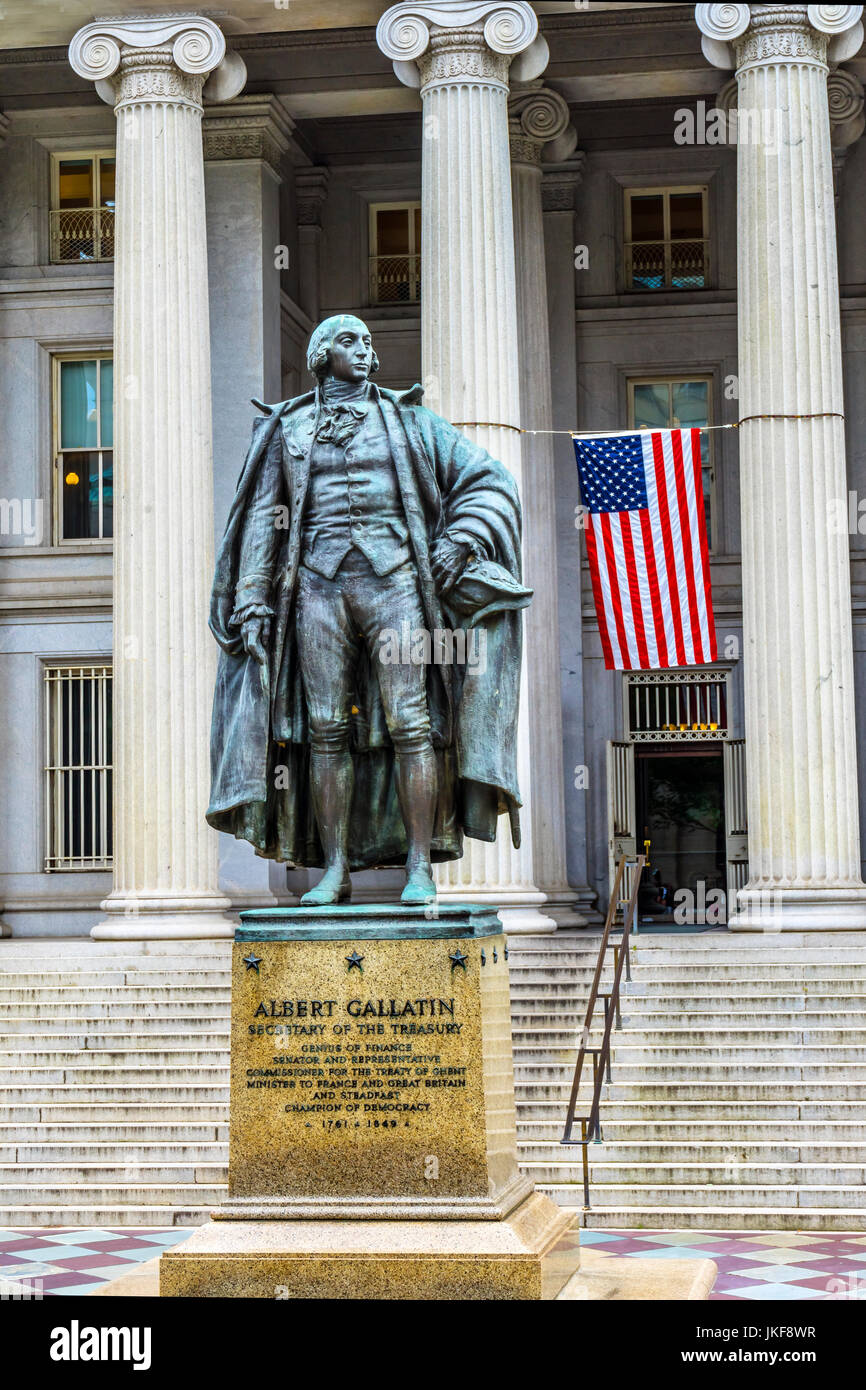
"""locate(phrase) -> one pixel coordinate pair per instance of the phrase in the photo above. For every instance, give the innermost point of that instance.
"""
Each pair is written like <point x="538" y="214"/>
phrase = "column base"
<point x="800" y="909"/>
<point x="130" y="918"/>
<point x="520" y="910"/>
<point x="530" y="1255"/>
<point x="5" y="929"/>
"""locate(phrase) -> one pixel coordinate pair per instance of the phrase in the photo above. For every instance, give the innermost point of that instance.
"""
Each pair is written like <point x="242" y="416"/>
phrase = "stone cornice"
<point x="250" y="127"/>
<point x="560" y="184"/>
<point x="311" y="190"/>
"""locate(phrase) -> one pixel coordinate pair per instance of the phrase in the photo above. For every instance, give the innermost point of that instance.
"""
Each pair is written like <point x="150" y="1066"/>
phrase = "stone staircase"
<point x="739" y="1083"/>
<point x="738" y="1098"/>
<point x="113" y="1082"/>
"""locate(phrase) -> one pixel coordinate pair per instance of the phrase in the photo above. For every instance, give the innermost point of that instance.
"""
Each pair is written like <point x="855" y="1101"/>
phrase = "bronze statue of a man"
<point x="360" y="515"/>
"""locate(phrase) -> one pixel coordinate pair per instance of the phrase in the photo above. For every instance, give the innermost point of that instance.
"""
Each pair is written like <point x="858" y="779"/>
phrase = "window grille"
<point x="77" y="767"/>
<point x="670" y="706"/>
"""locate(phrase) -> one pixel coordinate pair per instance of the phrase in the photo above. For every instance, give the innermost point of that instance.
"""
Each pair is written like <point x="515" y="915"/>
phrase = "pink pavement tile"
<point x="115" y="1244"/>
<point x="24" y="1243"/>
<point x="831" y="1282"/>
<point x="730" y="1246"/>
<point x="60" y="1281"/>
<point x="96" y="1261"/>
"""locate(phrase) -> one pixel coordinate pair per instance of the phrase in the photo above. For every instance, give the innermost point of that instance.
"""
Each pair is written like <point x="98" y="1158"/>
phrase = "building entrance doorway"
<point x="678" y="781"/>
<point x="680" y="805"/>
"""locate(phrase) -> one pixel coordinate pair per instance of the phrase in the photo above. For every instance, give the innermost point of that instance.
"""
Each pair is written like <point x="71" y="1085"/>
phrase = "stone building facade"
<point x="531" y="207"/>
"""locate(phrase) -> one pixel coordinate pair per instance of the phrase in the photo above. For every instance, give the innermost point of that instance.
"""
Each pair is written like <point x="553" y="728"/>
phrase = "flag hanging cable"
<point x="646" y="541"/>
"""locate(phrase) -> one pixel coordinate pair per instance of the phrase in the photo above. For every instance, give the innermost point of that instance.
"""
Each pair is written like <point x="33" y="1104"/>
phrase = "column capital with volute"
<point x="446" y="40"/>
<point x="741" y="36"/>
<point x="166" y="58"/>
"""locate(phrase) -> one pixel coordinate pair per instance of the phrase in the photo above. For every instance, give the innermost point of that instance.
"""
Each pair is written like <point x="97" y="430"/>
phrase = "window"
<point x="662" y="707"/>
<point x="395" y="253"/>
<point x="82" y="207"/>
<point x="84" y="436"/>
<point x="666" y="243"/>
<point x="677" y="403"/>
<point x="77" y="767"/>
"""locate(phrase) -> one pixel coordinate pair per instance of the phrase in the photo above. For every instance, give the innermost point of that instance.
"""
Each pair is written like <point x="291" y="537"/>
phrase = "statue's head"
<point x="343" y="348"/>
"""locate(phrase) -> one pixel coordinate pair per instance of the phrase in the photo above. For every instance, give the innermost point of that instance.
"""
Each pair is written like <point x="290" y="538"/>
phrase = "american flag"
<point x="646" y="539"/>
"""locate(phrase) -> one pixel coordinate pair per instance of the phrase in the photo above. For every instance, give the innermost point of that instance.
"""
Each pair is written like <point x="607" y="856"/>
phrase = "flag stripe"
<point x="600" y="605"/>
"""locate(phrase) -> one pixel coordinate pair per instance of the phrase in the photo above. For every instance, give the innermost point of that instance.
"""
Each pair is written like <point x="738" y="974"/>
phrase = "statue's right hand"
<point x="255" y="633"/>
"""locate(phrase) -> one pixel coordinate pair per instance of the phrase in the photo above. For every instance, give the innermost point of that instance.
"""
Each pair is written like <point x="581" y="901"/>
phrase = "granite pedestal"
<point x="372" y="1148"/>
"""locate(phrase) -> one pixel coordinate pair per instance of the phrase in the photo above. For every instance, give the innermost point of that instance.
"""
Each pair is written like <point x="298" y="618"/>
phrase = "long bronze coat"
<point x="259" y="739"/>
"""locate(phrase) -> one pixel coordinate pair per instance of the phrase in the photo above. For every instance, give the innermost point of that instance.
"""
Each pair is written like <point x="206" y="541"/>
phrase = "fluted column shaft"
<point x="539" y="117"/>
<point x="165" y="856"/>
<point x="469" y="332"/>
<point x="804" y="840"/>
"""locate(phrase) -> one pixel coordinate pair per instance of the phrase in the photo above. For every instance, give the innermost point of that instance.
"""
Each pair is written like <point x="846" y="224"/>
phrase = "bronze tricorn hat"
<point x="484" y="589"/>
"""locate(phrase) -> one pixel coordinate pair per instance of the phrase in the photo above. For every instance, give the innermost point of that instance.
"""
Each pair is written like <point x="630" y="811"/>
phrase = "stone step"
<point x="714" y="1070"/>
<point x="155" y="979"/>
<point x="46" y="1176"/>
<point x="628" y="1217"/>
<point x="159" y="1214"/>
<point x="689" y="1090"/>
<point x="645" y="957"/>
<point x="110" y="1016"/>
<point x="124" y="1060"/>
<point x="75" y="1109"/>
<point x="635" y="1003"/>
<point x="41" y="1136"/>
<point x="58" y="996"/>
<point x="767" y="970"/>
<point x="194" y="1151"/>
<point x="676" y="1150"/>
<point x="52" y="1093"/>
<point x="680" y="1121"/>
<point x="711" y="1197"/>
<point x="203" y="1195"/>
<point x="100" y="1041"/>
<point x="89" y="1073"/>
<point x="604" y="1173"/>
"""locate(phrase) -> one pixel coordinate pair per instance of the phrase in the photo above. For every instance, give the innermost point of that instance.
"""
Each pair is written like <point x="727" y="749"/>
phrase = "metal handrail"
<point x="590" y="1125"/>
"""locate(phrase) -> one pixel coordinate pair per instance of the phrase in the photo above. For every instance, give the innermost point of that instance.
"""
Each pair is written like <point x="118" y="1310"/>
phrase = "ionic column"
<point x="804" y="838"/>
<point x="459" y="55"/>
<point x="540" y="125"/>
<point x="5" y="929"/>
<point x="165" y="856"/>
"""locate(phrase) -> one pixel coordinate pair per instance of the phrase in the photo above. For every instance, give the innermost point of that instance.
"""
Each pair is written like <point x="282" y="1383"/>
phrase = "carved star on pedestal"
<point x="252" y="961"/>
<point x="458" y="958"/>
<point x="354" y="962"/>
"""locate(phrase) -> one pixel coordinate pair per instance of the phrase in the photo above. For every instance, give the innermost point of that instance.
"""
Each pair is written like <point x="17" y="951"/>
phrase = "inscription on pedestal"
<point x="358" y="1067"/>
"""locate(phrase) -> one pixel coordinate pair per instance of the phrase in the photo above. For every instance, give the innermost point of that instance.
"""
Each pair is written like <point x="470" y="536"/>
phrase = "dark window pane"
<point x="107" y="496"/>
<point x="80" y="496"/>
<point x="687" y="216"/>
<point x="392" y="232"/>
<point x="647" y="218"/>
<point x="106" y="183"/>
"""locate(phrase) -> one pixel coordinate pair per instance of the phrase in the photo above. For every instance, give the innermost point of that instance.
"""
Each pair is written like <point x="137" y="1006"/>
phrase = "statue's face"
<point x="352" y="352"/>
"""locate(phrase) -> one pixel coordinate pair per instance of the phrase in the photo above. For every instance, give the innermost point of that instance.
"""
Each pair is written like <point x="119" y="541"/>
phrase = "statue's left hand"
<point x="448" y="562"/>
